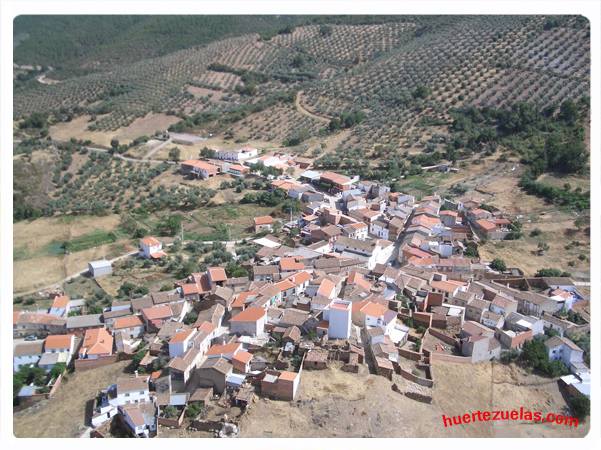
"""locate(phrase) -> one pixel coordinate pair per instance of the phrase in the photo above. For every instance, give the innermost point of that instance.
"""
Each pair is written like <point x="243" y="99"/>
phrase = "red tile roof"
<point x="217" y="274"/>
<point x="181" y="336"/>
<point x="157" y="312"/>
<point x="58" y="341"/>
<point x="97" y="341"/>
<point x="486" y="225"/>
<point x="243" y="356"/>
<point x="150" y="241"/>
<point x="127" y="322"/>
<point x="250" y="314"/>
<point x="263" y="220"/>
<point x="224" y="349"/>
<point x="60" y="301"/>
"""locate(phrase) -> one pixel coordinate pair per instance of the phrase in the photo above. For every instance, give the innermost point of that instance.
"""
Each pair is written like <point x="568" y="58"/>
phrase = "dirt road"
<point x="301" y="109"/>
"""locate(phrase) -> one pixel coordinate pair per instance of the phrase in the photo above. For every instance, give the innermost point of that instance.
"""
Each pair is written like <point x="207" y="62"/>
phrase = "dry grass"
<point x="461" y="388"/>
<point x="333" y="403"/>
<point x="64" y="415"/>
<point x="558" y="230"/>
<point x="37" y="264"/>
<point x="142" y="126"/>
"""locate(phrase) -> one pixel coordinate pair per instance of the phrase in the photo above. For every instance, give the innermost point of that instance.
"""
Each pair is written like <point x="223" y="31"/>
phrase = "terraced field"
<point x="482" y="60"/>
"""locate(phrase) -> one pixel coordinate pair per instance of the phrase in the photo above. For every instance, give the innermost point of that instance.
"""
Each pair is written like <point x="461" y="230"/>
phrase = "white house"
<point x="97" y="343"/>
<point x="562" y="349"/>
<point x="251" y="322"/>
<point x="140" y="419"/>
<point x="27" y="354"/>
<point x="180" y="342"/>
<point x="379" y="228"/>
<point x="60" y="306"/>
<point x="131" y="326"/>
<point x="238" y="155"/>
<point x="150" y="247"/>
<point x="60" y="343"/>
<point x="339" y="321"/>
<point x="131" y="390"/>
<point x="373" y="251"/>
<point x="100" y="268"/>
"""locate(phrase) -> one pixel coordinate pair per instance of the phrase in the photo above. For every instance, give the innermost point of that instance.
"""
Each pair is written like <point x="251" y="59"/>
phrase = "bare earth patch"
<point x="142" y="126"/>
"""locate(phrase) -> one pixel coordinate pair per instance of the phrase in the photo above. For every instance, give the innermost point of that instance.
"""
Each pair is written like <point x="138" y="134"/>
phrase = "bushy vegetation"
<point x="551" y="273"/>
<point x="534" y="355"/>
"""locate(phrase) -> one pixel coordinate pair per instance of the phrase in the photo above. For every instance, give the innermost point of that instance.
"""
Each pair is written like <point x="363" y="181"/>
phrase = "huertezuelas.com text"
<point x="522" y="415"/>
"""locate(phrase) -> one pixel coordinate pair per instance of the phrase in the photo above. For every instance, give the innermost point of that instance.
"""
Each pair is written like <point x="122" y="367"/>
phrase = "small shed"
<point x="100" y="268"/>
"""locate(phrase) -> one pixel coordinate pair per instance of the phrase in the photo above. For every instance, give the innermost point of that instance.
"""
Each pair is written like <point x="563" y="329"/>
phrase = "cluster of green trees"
<point x="266" y="198"/>
<point x="552" y="273"/>
<point x="27" y="375"/>
<point x="130" y="290"/>
<point x="498" y="264"/>
<point x="563" y="196"/>
<point x="296" y="137"/>
<point x="535" y="356"/>
<point x="551" y="140"/>
<point x="346" y="119"/>
<point x="221" y="119"/>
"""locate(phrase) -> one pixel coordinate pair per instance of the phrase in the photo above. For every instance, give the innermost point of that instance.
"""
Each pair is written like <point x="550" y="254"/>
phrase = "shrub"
<point x="498" y="265"/>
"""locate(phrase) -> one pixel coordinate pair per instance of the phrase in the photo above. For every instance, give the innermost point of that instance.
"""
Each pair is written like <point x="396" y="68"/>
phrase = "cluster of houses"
<point x="374" y="279"/>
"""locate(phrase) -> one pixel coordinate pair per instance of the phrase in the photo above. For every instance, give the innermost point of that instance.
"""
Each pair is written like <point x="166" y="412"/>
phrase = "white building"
<point x="339" y="325"/>
<point x="60" y="306"/>
<point x="564" y="350"/>
<point x="379" y="229"/>
<point x="150" y="246"/>
<point x="129" y="391"/>
<point x="239" y="155"/>
<point x="250" y="322"/>
<point x="181" y="342"/>
<point x="100" y="268"/>
<point x="27" y="354"/>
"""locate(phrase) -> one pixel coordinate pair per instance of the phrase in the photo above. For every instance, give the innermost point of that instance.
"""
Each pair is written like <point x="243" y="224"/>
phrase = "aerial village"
<point x="375" y="281"/>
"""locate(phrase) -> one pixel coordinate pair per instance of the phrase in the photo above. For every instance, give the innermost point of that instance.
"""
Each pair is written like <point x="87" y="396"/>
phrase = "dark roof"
<point x="87" y="320"/>
<point x="219" y="364"/>
<point x="29" y="348"/>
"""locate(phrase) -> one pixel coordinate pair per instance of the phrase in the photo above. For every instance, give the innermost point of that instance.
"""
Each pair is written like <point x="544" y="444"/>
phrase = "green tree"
<point x="175" y="154"/>
<point x="580" y="405"/>
<point x="498" y="265"/>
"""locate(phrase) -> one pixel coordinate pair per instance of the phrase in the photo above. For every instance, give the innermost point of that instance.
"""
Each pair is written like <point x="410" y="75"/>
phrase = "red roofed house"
<point x="335" y="181"/>
<point x="151" y="247"/>
<point x="156" y="316"/>
<point x="199" y="169"/>
<point x="60" y="343"/>
<point x="180" y="342"/>
<point x="263" y="223"/>
<point x="226" y="351"/>
<point x="372" y="314"/>
<point x="60" y="306"/>
<point x="217" y="276"/>
<point x="491" y="230"/>
<point x="97" y="343"/>
<point x="280" y="385"/>
<point x="251" y="321"/>
<point x="130" y="326"/>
